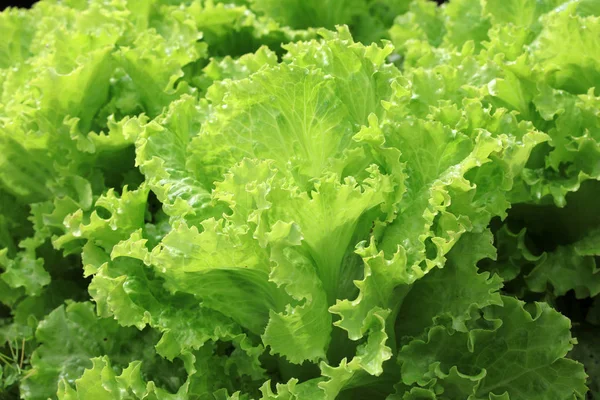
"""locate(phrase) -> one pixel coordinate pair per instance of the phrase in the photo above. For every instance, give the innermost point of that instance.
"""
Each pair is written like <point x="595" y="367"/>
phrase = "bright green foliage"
<point x="300" y="200"/>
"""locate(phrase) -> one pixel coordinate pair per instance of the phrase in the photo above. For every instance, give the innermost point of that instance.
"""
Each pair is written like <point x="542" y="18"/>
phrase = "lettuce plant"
<point x="256" y="199"/>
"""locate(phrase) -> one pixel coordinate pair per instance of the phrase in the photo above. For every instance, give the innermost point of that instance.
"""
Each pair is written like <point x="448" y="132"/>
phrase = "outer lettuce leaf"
<point x="500" y="360"/>
<point x="460" y="290"/>
<point x="513" y="254"/>
<point x="24" y="271"/>
<point x="29" y="311"/>
<point x="586" y="351"/>
<point x="102" y="382"/>
<point x="236" y="30"/>
<point x="348" y="376"/>
<point x="113" y="219"/>
<point x="241" y="269"/>
<point x="69" y="337"/>
<point x="161" y="151"/>
<point x="125" y="289"/>
<point x="574" y="74"/>
<point x="435" y="211"/>
<point x="565" y="268"/>
<point x="365" y="365"/>
<point x="17" y="31"/>
<point x="239" y="68"/>
<point x="568" y="268"/>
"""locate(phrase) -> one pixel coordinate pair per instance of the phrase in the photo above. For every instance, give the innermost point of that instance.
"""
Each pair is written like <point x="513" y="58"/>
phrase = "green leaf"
<point x="466" y="20"/>
<point x="114" y="218"/>
<point x="587" y="352"/>
<point x="574" y="74"/>
<point x="423" y="21"/>
<point x="69" y="336"/>
<point x="310" y="111"/>
<point x="101" y="382"/>
<point x="207" y="374"/>
<point x="161" y="151"/>
<point x="367" y="362"/>
<point x="24" y="271"/>
<point x="520" y="354"/>
<point x="17" y="29"/>
<point x="453" y="293"/>
<point x="567" y="268"/>
<point x="231" y="30"/>
<point x="305" y="14"/>
<point x="131" y="293"/>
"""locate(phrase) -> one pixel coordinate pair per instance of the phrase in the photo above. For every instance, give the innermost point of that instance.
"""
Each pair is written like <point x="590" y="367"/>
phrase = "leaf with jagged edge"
<point x="353" y="67"/>
<point x="301" y="332"/>
<point x="162" y="147"/>
<point x="219" y="70"/>
<point x="231" y="278"/>
<point x="101" y="382"/>
<point x="367" y="362"/>
<point x="513" y="254"/>
<point x="114" y="218"/>
<point x="235" y="30"/>
<point x="453" y="293"/>
<point x="280" y="98"/>
<point x="587" y="352"/>
<point x="25" y="270"/>
<point x="307" y="83"/>
<point x="360" y="370"/>
<point x="474" y="158"/>
<point x="514" y="353"/>
<point x="425" y="213"/>
<point x="123" y="287"/>
<point x="161" y="154"/>
<point x="69" y="336"/>
<point x="305" y="14"/>
<point x="571" y="267"/>
<point x="578" y="35"/>
<point x="207" y="374"/>
<point x="307" y="259"/>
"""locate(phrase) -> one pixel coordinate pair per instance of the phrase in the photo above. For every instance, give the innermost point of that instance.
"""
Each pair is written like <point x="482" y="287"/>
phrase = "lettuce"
<point x="360" y="199"/>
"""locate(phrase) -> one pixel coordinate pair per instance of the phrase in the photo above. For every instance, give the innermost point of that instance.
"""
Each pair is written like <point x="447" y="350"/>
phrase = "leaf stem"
<point x="22" y="353"/>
